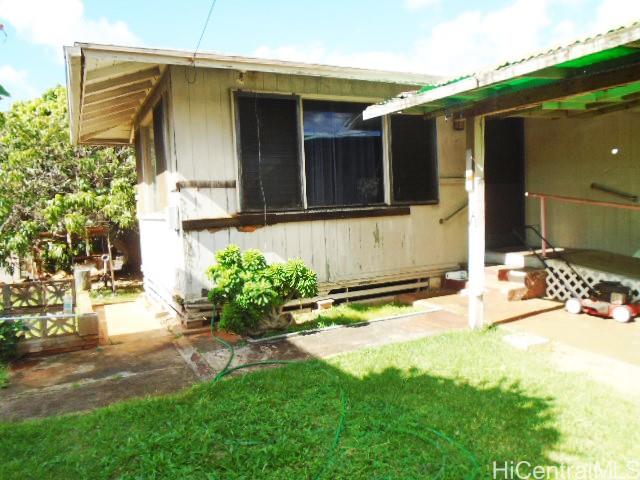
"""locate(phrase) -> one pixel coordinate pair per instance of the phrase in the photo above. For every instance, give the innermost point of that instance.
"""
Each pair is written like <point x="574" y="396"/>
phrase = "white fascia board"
<point x="212" y="60"/>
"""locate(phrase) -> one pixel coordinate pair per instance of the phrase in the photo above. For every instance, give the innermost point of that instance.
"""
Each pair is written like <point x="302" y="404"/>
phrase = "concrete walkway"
<point x="327" y="343"/>
<point x="155" y="361"/>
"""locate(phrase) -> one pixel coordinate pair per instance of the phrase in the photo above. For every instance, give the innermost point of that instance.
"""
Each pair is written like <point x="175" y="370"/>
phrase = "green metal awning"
<point x="585" y="76"/>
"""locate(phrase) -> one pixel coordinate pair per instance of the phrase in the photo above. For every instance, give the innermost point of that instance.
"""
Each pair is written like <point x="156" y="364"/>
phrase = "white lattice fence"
<point x="562" y="283"/>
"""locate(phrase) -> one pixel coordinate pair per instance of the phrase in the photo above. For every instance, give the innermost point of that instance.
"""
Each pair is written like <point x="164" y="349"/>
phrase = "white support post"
<point x="475" y="187"/>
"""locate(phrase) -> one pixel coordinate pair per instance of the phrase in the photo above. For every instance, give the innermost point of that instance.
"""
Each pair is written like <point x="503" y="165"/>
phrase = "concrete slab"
<point x="160" y="362"/>
<point x="332" y="342"/>
<point x="620" y="341"/>
<point x="79" y="381"/>
<point x="497" y="308"/>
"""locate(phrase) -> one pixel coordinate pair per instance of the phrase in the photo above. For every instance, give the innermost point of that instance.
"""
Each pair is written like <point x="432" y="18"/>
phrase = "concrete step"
<point x="515" y="283"/>
<point x="519" y="259"/>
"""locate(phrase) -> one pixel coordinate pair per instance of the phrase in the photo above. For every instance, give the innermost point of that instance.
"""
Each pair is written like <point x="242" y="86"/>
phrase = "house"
<point x="275" y="155"/>
<point x="552" y="140"/>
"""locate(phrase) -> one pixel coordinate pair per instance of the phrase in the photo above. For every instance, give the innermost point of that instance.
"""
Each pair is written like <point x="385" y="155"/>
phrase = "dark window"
<point x="269" y="152"/>
<point x="414" y="159"/>
<point x="139" y="155"/>
<point x="343" y="155"/>
<point x="158" y="137"/>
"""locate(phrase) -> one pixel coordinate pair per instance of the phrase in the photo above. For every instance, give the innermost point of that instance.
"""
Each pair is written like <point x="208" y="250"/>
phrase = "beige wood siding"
<point x="203" y="128"/>
<point x="565" y="157"/>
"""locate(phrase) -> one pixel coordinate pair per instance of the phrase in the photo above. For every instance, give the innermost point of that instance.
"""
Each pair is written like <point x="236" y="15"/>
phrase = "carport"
<point x="576" y="109"/>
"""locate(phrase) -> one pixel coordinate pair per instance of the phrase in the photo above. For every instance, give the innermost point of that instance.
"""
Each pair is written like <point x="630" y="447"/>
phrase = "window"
<point x="343" y="155"/>
<point x="269" y="152"/>
<point x="414" y="159"/>
<point x="159" y="137"/>
<point x="151" y="159"/>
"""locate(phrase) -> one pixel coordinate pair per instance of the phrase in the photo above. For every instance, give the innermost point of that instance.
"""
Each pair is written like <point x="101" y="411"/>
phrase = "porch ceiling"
<point x="592" y="76"/>
<point x="106" y="95"/>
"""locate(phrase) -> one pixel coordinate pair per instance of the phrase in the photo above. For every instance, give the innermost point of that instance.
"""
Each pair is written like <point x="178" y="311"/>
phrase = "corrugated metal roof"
<point x="520" y="74"/>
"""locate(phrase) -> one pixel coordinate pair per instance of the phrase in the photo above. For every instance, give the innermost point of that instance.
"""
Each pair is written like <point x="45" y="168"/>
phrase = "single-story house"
<point x="274" y="155"/>
<point x="363" y="174"/>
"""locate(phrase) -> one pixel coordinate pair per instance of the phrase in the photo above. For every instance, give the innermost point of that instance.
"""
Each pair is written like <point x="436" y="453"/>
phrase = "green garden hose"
<point x="326" y="466"/>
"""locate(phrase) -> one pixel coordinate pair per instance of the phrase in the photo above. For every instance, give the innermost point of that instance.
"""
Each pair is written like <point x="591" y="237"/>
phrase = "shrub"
<point x="250" y="291"/>
<point x="10" y="333"/>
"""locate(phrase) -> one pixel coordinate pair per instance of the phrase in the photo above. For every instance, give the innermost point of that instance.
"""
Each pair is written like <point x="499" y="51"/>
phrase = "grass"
<point x="126" y="293"/>
<point x="347" y="314"/>
<point x="498" y="403"/>
<point x="4" y="375"/>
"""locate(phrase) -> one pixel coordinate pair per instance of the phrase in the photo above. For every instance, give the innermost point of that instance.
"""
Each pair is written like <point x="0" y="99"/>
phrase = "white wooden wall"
<point x="564" y="157"/>
<point x="337" y="249"/>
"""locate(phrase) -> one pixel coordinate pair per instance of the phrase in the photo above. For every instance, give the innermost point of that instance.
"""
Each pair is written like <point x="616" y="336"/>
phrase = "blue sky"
<point x="431" y="36"/>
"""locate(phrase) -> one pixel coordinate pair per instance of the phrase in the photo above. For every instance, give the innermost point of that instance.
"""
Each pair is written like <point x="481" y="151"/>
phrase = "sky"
<point x="441" y="37"/>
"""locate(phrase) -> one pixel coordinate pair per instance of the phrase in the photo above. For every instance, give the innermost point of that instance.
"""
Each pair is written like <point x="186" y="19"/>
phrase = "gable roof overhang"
<point x="108" y="85"/>
<point x="591" y="76"/>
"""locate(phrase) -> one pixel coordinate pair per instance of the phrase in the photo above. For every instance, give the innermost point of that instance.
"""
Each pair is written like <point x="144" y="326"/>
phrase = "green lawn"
<point x="127" y="293"/>
<point x="426" y="409"/>
<point x="348" y="314"/>
<point x="4" y="375"/>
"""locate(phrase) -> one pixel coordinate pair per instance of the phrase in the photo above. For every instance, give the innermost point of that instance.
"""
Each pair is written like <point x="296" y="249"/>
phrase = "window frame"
<point x="235" y="95"/>
<point x="393" y="201"/>
<point x="387" y="167"/>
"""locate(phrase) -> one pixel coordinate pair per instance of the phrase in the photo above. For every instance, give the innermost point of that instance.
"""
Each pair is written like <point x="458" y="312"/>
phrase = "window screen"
<point x="343" y="155"/>
<point x="269" y="152"/>
<point x="414" y="159"/>
<point x="159" y="137"/>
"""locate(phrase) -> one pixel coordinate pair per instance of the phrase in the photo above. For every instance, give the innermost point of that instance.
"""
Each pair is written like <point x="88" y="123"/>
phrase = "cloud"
<point x="419" y="4"/>
<point x="469" y="41"/>
<point x="17" y="84"/>
<point x="615" y="13"/>
<point x="318" y="54"/>
<point x="61" y="22"/>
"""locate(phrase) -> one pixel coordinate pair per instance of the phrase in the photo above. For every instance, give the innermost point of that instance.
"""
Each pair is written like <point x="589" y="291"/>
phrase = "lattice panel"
<point x="35" y="295"/>
<point x="50" y="326"/>
<point x="563" y="284"/>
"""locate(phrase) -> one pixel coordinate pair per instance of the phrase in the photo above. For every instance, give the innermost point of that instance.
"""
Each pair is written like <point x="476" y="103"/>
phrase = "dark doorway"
<point x="504" y="181"/>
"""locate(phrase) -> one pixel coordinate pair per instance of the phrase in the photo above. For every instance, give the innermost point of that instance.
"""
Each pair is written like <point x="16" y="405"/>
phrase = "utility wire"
<point x="195" y="52"/>
<point x="204" y="27"/>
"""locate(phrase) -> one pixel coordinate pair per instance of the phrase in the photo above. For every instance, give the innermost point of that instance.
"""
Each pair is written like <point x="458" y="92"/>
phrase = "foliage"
<point x="248" y="289"/>
<point x="10" y="334"/>
<point x="51" y="191"/>
<point x="498" y="402"/>
<point x="3" y="92"/>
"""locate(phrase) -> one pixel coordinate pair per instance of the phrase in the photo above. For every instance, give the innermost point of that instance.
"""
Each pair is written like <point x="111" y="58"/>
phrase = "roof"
<point x="108" y="84"/>
<point x="594" y="55"/>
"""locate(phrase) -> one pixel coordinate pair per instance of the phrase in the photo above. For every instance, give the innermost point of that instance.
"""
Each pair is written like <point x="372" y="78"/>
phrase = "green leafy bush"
<point x="10" y="333"/>
<point x="250" y="291"/>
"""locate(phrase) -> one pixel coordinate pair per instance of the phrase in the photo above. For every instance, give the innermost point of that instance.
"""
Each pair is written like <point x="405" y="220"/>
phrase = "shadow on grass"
<point x="281" y="423"/>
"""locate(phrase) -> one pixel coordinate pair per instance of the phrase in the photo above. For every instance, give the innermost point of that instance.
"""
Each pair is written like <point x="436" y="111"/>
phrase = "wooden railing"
<point x="543" y="197"/>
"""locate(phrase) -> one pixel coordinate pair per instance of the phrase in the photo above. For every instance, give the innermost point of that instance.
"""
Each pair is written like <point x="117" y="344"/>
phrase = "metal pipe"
<point x="543" y="225"/>
<point x="613" y="191"/>
<point x="583" y="201"/>
<point x="454" y="213"/>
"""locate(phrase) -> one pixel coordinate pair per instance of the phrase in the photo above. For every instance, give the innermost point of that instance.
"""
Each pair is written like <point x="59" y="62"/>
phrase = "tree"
<point x="51" y="191"/>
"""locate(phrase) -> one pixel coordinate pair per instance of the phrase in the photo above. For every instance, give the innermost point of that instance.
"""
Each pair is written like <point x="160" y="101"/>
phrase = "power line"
<point x="204" y="27"/>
